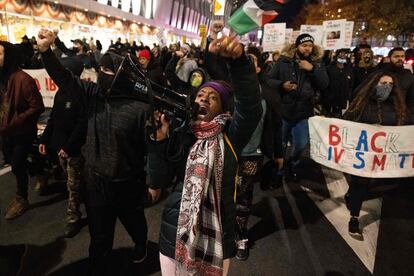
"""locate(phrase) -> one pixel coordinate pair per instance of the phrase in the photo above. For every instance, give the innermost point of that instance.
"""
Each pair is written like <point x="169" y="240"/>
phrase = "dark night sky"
<point x="288" y="13"/>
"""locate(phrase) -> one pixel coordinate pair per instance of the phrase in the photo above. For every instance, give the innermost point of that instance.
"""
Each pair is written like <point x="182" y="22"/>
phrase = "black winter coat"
<point x="115" y="141"/>
<point x="66" y="127"/>
<point x="361" y="74"/>
<point x="161" y="169"/>
<point x="216" y="65"/>
<point x="298" y="105"/>
<point x="340" y="86"/>
<point x="272" y="128"/>
<point x="155" y="73"/>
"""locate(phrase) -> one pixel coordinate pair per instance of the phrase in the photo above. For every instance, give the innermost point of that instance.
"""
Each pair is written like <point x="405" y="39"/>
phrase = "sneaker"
<point x="16" y="208"/>
<point x="242" y="250"/>
<point x="140" y="253"/>
<point x="353" y="227"/>
<point x="72" y="229"/>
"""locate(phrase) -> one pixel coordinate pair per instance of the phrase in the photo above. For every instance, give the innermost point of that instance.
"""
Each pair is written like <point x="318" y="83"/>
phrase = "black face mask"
<point x="105" y="81"/>
<point x="76" y="49"/>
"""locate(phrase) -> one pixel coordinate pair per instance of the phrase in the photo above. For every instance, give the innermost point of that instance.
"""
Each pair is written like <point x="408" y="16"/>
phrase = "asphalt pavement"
<point x="298" y="229"/>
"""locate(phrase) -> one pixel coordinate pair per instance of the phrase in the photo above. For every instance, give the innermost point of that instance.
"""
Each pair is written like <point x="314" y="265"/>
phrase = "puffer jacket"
<point x="161" y="169"/>
<point x="298" y="105"/>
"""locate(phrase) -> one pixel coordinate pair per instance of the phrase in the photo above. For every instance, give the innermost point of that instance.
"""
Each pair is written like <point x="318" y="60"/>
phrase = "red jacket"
<point x="22" y="106"/>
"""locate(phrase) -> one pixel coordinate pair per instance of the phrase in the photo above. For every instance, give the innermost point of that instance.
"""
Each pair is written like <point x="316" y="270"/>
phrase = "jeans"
<point x="17" y="149"/>
<point x="298" y="133"/>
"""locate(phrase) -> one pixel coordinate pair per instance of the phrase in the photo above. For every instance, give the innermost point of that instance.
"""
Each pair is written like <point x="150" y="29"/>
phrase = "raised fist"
<point x="45" y="38"/>
<point x="226" y="46"/>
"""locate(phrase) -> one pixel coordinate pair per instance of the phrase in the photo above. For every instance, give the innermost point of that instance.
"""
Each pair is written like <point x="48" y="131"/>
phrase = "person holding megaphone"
<point x="114" y="155"/>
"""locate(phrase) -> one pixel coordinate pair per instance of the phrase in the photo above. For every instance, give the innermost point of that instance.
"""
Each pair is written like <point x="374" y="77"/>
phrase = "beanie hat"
<point x="223" y="92"/>
<point x="144" y="54"/>
<point x="304" y="38"/>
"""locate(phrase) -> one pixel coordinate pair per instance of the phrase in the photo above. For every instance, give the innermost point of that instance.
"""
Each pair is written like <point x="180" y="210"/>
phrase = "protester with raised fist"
<point x="114" y="155"/>
<point x="197" y="228"/>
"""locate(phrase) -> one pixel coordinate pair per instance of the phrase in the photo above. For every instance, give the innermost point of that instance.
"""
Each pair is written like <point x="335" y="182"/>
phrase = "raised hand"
<point x="226" y="46"/>
<point x="45" y="38"/>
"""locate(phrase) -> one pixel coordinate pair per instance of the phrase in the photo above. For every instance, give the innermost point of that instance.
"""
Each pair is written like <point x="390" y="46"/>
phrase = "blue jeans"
<point x="299" y="135"/>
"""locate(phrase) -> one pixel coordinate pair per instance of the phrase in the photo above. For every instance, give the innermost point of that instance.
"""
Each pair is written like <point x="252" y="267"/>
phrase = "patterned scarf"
<point x="199" y="247"/>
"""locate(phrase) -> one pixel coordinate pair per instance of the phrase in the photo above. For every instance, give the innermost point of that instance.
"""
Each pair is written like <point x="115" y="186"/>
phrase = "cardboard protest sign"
<point x="288" y="35"/>
<point x="274" y="36"/>
<point x="349" y="31"/>
<point x="314" y="30"/>
<point x="45" y="85"/>
<point x="334" y="34"/>
<point x="295" y="35"/>
<point x="363" y="150"/>
<point x="48" y="88"/>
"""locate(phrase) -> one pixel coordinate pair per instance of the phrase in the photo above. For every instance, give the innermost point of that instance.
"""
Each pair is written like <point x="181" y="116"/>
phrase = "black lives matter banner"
<point x="363" y="150"/>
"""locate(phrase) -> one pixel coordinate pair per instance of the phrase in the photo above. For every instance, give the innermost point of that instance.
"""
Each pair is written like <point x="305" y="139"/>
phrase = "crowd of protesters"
<point x="253" y="107"/>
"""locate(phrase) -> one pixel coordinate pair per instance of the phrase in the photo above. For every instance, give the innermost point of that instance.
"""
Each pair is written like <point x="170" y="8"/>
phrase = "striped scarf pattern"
<point x="199" y="249"/>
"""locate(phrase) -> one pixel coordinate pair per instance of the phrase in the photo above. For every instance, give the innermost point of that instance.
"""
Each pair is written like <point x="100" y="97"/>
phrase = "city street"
<point x="299" y="229"/>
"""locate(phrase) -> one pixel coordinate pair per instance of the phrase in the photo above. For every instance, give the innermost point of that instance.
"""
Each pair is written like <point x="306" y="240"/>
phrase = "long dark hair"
<point x="11" y="61"/>
<point x="365" y="93"/>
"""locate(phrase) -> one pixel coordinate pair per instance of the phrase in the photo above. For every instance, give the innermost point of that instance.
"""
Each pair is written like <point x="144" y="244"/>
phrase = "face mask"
<point x="76" y="49"/>
<point x="383" y="91"/>
<point x="104" y="81"/>
<point x="196" y="81"/>
<point x="341" y="60"/>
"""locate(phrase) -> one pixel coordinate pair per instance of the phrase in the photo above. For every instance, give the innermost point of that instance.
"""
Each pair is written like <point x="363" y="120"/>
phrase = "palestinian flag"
<point x="254" y="14"/>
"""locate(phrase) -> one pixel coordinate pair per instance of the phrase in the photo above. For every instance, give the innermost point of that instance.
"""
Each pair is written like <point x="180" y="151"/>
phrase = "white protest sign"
<point x="363" y="150"/>
<point x="295" y="35"/>
<point x="334" y="34"/>
<point x="314" y="30"/>
<point x="349" y="31"/>
<point x="288" y="35"/>
<point x="274" y="36"/>
<point x="48" y="88"/>
<point x="45" y="85"/>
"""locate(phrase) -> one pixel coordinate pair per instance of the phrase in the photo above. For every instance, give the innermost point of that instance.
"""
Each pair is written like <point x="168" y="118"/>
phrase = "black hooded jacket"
<point x="66" y="127"/>
<point x="115" y="140"/>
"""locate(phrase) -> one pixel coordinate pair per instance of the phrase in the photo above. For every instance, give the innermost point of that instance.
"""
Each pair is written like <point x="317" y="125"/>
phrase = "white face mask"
<point x="341" y="60"/>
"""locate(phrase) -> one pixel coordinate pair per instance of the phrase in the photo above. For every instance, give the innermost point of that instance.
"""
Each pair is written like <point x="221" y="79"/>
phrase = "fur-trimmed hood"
<point x="290" y="50"/>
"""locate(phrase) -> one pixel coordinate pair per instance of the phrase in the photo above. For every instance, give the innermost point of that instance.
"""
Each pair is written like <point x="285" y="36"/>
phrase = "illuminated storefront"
<point x="20" y="17"/>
